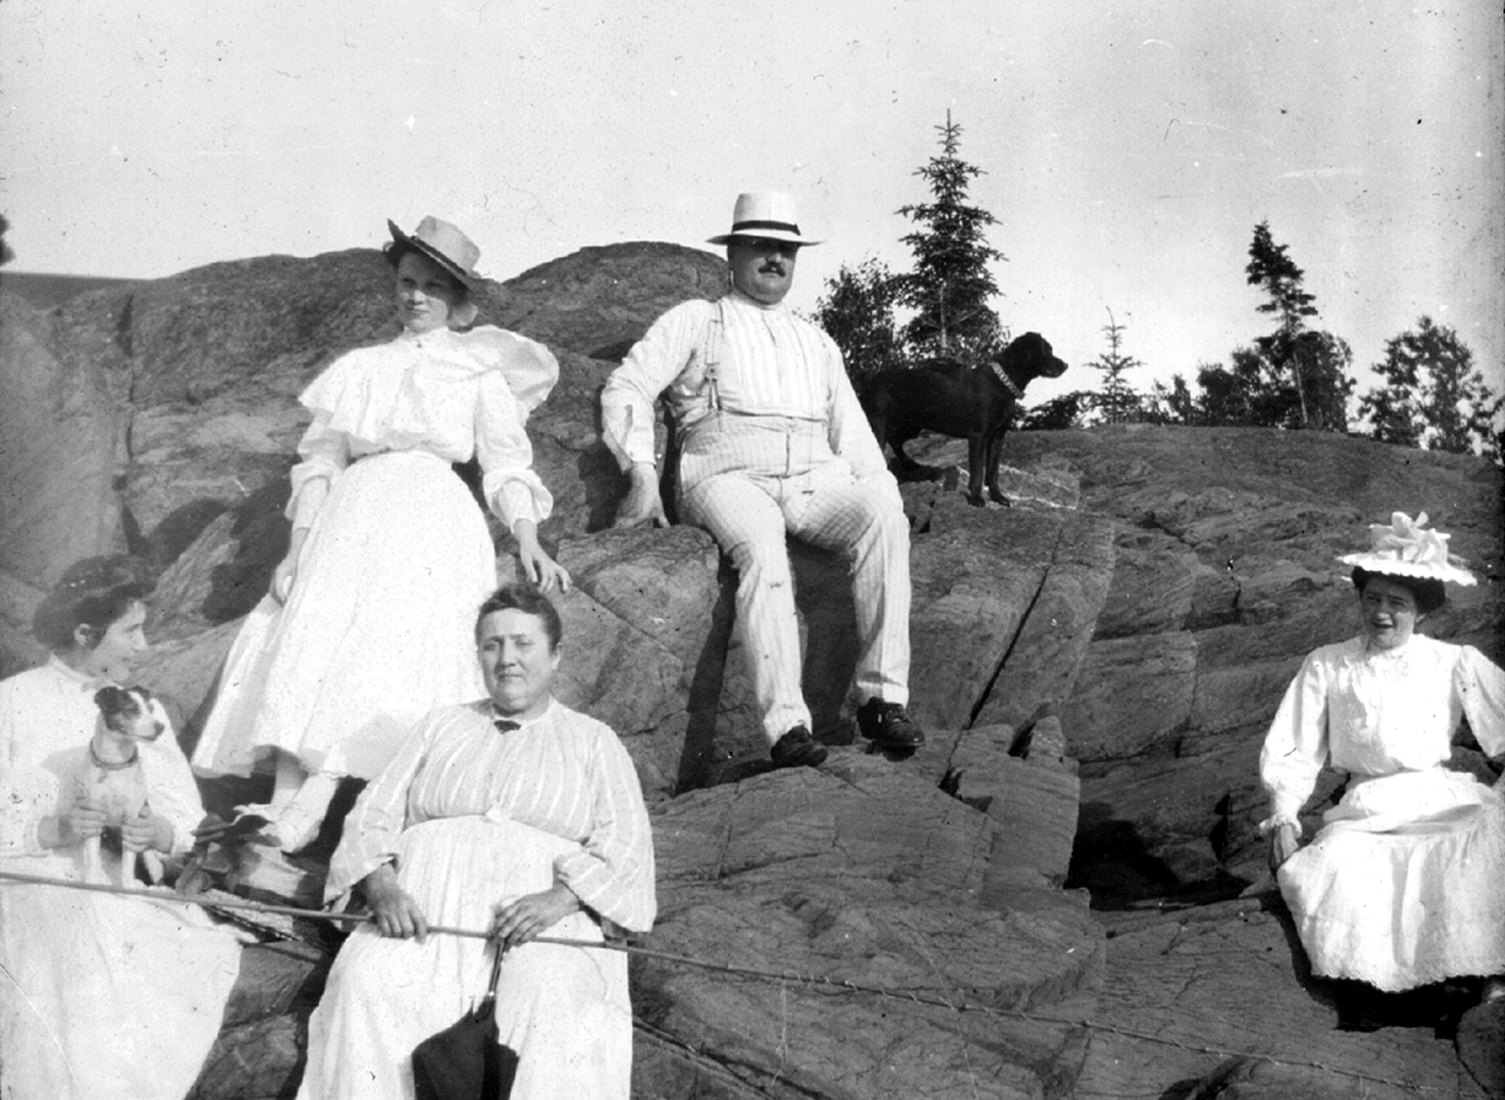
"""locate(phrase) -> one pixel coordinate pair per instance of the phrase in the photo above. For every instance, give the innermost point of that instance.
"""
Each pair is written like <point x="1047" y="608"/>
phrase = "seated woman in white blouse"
<point x="512" y="813"/>
<point x="1404" y="885"/>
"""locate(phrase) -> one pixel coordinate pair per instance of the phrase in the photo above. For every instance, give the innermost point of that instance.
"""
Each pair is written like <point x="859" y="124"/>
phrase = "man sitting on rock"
<point x="773" y="440"/>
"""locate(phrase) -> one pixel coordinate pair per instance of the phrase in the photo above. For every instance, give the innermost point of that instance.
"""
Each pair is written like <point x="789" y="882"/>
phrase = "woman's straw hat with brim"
<point x="766" y="215"/>
<point x="1403" y="548"/>
<point x="446" y="245"/>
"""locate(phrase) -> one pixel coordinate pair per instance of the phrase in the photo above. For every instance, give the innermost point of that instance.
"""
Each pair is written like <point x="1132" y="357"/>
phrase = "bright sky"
<point x="1130" y="147"/>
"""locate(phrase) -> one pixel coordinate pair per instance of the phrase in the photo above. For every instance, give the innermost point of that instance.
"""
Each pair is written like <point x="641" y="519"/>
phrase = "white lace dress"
<point x="378" y="628"/>
<point x="101" y="997"/>
<point x="1405" y="883"/>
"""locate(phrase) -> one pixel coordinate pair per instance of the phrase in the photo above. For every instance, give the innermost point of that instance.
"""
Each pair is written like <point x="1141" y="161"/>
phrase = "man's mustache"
<point x="771" y="267"/>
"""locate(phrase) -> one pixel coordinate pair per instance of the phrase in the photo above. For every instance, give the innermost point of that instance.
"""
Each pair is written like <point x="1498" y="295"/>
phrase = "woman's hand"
<point x="392" y="907"/>
<point x="1283" y="845"/>
<point x="147" y="830"/>
<point x="83" y="820"/>
<point x="538" y="567"/>
<point x="287" y="569"/>
<point x="532" y="914"/>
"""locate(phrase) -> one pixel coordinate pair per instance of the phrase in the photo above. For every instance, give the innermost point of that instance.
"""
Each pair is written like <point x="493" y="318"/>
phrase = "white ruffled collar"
<point x="1395" y="653"/>
<point x="439" y="337"/>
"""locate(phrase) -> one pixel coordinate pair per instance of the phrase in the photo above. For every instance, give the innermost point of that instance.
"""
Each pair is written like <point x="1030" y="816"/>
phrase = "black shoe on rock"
<point x="888" y="725"/>
<point x="797" y="749"/>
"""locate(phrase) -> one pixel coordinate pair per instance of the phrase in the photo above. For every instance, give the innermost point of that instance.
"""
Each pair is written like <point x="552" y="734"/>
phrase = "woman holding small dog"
<point x="100" y="995"/>
<point x="363" y="632"/>
<point x="1404" y="884"/>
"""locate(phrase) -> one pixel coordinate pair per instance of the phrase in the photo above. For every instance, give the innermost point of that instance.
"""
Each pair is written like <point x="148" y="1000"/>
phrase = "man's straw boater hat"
<point x="1404" y="549"/>
<point x="446" y="245"/>
<point x="764" y="214"/>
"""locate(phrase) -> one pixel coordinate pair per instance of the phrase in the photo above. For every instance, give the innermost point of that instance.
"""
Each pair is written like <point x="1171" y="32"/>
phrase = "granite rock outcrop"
<point x="1008" y="912"/>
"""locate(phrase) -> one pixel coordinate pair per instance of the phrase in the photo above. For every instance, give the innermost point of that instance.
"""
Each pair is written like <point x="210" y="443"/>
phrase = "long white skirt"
<point x="376" y="632"/>
<point x="563" y="1010"/>
<point x="1405" y="884"/>
<point x="104" y="997"/>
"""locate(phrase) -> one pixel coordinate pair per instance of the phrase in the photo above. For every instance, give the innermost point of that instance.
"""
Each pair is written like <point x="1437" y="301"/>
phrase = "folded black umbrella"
<point x="466" y="1061"/>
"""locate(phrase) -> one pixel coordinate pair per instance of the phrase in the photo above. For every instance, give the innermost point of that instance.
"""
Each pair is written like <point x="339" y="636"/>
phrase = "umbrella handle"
<point x="496" y="974"/>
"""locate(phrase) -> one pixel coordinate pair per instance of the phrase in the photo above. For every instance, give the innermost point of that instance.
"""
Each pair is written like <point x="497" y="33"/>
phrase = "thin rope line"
<point x="818" y="981"/>
<point x="42" y="1021"/>
<point x="161" y="894"/>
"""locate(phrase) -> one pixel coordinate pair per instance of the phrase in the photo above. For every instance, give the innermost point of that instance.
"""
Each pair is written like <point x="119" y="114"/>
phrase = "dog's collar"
<point x="105" y="765"/>
<point x="1009" y="383"/>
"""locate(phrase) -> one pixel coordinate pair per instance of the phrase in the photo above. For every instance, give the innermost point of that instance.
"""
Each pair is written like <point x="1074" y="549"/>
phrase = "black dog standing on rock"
<point x="973" y="403"/>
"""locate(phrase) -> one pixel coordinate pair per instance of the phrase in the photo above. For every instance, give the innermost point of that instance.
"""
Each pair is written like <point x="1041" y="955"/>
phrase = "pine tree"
<point x="1271" y="267"/>
<point x="1431" y="395"/>
<point x="1118" y="401"/>
<point x="951" y="285"/>
<point x="1307" y="369"/>
<point x="857" y="311"/>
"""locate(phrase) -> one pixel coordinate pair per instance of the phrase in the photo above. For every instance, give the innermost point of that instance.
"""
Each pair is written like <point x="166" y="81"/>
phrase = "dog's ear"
<point x="144" y="692"/>
<point x="108" y="698"/>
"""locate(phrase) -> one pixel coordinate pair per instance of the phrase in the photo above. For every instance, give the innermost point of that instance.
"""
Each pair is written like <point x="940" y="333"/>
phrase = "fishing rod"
<point x="148" y="893"/>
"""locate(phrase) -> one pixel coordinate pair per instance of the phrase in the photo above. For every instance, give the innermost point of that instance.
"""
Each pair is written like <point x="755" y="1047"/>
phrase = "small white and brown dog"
<point x="112" y="778"/>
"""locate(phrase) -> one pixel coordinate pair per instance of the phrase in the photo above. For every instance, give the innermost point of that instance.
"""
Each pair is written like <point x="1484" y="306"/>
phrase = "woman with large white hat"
<point x="1404" y="884"/>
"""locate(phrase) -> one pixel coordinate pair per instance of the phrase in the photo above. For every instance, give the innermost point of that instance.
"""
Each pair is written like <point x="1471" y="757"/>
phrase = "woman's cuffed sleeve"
<point x="512" y="490"/>
<point x="613" y="872"/>
<point x="1296" y="745"/>
<point x="323" y="453"/>
<point x="26" y="794"/>
<point x="1480" y="686"/>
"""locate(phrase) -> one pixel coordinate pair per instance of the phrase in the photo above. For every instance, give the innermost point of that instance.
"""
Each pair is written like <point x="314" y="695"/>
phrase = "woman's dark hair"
<point x="528" y="600"/>
<point x="394" y="251"/>
<point x="1428" y="592"/>
<point x="93" y="593"/>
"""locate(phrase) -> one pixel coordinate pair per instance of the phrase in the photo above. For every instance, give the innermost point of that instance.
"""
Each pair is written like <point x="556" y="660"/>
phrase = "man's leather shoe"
<point x="797" y="749"/>
<point x="888" y="725"/>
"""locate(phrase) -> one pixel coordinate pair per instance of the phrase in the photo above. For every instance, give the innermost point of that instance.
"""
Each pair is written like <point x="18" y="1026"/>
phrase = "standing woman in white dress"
<point x="102" y="997"/>
<point x="364" y="630"/>
<point x="1404" y="885"/>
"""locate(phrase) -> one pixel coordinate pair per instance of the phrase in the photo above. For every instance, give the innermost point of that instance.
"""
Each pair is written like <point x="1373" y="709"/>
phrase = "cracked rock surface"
<point x="1041" y="902"/>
